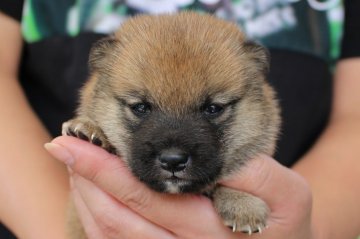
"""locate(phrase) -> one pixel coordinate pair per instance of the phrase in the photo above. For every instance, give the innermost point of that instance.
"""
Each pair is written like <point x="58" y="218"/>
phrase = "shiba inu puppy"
<point x="183" y="100"/>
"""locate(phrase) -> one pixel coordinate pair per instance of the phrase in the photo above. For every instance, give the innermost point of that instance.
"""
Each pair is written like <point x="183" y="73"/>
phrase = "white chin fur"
<point x="172" y="187"/>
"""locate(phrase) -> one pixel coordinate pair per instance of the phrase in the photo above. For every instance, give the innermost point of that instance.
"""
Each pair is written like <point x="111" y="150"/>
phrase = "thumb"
<point x="98" y="166"/>
<point x="284" y="191"/>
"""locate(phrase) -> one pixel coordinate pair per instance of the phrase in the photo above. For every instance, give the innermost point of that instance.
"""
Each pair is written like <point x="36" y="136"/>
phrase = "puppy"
<point x="183" y="100"/>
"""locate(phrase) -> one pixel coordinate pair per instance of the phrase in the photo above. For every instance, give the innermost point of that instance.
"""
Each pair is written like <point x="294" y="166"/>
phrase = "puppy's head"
<point x="183" y="99"/>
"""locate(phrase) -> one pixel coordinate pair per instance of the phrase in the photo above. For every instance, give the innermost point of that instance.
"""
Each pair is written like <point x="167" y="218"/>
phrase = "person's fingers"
<point x="286" y="193"/>
<point x="113" y="218"/>
<point x="85" y="218"/>
<point x="176" y="213"/>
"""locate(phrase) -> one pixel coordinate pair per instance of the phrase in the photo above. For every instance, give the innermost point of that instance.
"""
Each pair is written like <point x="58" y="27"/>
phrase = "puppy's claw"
<point x="70" y="132"/>
<point x="76" y="129"/>
<point x="95" y="140"/>
<point x="234" y="227"/>
<point x="82" y="136"/>
<point x="86" y="130"/>
<point x="246" y="229"/>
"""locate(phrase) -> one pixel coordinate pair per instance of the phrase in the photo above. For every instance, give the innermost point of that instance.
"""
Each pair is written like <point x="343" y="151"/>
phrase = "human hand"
<point x="113" y="204"/>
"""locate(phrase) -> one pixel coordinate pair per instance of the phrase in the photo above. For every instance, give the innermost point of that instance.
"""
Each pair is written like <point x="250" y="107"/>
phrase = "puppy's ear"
<point x="259" y="55"/>
<point x="102" y="53"/>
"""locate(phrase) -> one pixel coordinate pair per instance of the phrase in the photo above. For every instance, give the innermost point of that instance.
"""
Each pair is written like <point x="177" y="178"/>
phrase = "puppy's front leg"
<point x="239" y="210"/>
<point x="86" y="129"/>
<point x="74" y="228"/>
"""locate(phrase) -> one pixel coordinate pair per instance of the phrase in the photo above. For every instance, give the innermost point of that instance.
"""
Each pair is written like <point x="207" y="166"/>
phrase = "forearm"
<point x="332" y="169"/>
<point x="33" y="190"/>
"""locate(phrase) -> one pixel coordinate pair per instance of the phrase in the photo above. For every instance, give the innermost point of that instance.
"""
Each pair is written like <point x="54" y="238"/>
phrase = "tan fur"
<point x="175" y="62"/>
<point x="179" y="66"/>
<point x="75" y="229"/>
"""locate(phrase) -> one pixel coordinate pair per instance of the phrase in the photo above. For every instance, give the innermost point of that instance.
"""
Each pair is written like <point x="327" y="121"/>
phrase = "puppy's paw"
<point x="88" y="131"/>
<point x="240" y="211"/>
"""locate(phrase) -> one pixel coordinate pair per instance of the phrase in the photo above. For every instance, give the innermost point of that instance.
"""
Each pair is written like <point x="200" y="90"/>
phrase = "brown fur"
<point x="175" y="62"/>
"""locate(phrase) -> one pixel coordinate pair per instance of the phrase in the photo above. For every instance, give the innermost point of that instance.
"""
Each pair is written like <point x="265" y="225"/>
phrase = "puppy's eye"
<point x="213" y="110"/>
<point x="141" y="109"/>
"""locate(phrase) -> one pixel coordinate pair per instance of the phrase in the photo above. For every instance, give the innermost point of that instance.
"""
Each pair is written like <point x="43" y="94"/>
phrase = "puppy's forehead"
<point x="179" y="61"/>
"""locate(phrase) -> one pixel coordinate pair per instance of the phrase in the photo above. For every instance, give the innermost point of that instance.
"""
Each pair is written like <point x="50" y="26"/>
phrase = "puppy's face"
<point x="183" y="99"/>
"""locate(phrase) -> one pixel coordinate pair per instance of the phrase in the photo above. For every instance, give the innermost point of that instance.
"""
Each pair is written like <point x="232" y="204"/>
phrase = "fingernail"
<point x="60" y="153"/>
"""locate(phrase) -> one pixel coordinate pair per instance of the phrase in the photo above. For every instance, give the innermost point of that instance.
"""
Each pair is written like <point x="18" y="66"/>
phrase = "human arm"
<point x="332" y="166"/>
<point x="33" y="186"/>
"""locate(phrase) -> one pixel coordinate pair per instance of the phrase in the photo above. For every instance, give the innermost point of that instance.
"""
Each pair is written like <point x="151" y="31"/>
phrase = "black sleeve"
<point x="351" y="38"/>
<point x="12" y="8"/>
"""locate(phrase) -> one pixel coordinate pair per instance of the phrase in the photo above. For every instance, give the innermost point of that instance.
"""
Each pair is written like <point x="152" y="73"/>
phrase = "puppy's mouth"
<point x="174" y="178"/>
<point x="181" y="182"/>
<point x="175" y="184"/>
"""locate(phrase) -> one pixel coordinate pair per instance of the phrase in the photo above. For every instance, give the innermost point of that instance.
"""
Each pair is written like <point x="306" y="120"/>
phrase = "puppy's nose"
<point x="173" y="160"/>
